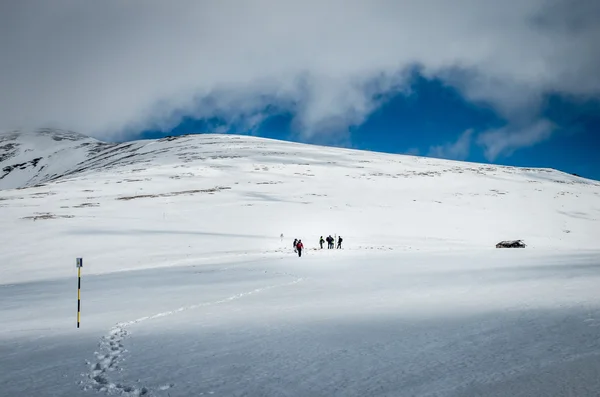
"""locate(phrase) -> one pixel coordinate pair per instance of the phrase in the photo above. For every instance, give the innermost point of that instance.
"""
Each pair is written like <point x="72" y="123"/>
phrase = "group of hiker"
<point x="330" y="242"/>
<point x="299" y="246"/>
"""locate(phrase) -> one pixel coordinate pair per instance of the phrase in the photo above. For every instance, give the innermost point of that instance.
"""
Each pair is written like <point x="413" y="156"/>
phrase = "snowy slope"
<point x="223" y="194"/>
<point x="189" y="288"/>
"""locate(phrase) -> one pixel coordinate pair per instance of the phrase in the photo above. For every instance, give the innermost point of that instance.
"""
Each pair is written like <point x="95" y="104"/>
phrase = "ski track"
<point x="112" y="348"/>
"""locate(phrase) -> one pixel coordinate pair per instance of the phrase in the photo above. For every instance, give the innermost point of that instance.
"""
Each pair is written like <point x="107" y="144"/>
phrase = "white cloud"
<point x="504" y="141"/>
<point x="102" y="67"/>
<point x="458" y="150"/>
<point x="414" y="151"/>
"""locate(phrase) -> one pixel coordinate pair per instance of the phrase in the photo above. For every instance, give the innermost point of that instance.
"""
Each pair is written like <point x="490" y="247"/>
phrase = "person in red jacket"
<point x="299" y="247"/>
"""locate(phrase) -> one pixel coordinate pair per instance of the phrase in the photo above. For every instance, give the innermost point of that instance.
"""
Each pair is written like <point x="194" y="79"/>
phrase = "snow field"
<point x="380" y="324"/>
<point x="188" y="288"/>
<point x="142" y="214"/>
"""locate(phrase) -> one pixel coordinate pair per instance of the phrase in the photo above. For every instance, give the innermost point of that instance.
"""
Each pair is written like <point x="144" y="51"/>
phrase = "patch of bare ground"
<point x="85" y="205"/>
<point x="209" y="191"/>
<point x="12" y="198"/>
<point x="186" y="175"/>
<point x="224" y="156"/>
<point x="42" y="194"/>
<point x="46" y="215"/>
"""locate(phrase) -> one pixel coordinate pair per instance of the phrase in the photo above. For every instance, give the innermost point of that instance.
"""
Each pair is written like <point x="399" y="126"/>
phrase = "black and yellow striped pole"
<point x="79" y="266"/>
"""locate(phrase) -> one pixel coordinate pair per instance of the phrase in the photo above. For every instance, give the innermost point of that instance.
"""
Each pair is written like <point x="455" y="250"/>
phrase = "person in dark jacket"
<point x="339" y="245"/>
<point x="299" y="247"/>
<point x="321" y="241"/>
<point x="329" y="242"/>
<point x="295" y="243"/>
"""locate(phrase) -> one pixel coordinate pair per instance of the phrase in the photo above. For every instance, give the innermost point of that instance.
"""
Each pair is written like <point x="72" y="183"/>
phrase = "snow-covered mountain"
<point x="245" y="182"/>
<point x="32" y="157"/>
<point x="191" y="286"/>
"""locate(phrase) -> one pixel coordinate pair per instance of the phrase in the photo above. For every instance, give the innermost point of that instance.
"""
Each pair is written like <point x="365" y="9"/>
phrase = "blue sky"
<point x="434" y="114"/>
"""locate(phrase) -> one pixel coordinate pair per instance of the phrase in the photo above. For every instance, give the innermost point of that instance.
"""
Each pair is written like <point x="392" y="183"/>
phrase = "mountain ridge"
<point x="36" y="157"/>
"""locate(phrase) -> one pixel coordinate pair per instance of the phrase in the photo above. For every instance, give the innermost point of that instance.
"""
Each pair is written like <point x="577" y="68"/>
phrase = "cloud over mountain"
<point x="106" y="67"/>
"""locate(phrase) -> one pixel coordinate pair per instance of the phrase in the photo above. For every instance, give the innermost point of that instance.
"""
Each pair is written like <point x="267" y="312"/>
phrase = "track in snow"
<point x="112" y="349"/>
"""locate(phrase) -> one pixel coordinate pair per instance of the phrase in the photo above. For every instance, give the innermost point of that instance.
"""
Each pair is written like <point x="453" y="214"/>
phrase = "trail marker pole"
<point x="79" y="266"/>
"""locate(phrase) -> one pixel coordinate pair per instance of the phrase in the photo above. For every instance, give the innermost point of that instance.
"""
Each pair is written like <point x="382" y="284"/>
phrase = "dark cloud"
<point x="105" y="66"/>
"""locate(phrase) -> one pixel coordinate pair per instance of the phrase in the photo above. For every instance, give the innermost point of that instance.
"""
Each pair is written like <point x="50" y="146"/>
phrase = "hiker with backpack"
<point x="331" y="242"/>
<point x="299" y="247"/>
